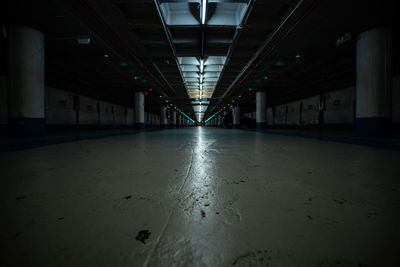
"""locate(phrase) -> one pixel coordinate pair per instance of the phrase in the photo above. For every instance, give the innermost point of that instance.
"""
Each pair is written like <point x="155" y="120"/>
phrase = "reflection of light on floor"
<point x="199" y="194"/>
<point x="199" y="188"/>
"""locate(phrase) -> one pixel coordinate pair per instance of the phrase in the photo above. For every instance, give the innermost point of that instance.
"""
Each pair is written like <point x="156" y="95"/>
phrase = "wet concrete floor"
<point x="200" y="197"/>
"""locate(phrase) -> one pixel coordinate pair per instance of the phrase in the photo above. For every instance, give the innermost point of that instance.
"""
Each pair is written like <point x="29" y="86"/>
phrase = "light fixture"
<point x="201" y="78"/>
<point x="83" y="39"/>
<point x="201" y="65"/>
<point x="297" y="56"/>
<point x="203" y="11"/>
<point x="106" y="56"/>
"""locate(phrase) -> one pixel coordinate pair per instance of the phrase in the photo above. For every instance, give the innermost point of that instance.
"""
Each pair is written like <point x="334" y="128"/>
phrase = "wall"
<point x="279" y="115"/>
<point x="59" y="107"/>
<point x="293" y="113"/>
<point x="338" y="110"/>
<point x="153" y="120"/>
<point x="310" y="110"/>
<point x="93" y="113"/>
<point x="61" y="111"/>
<point x="130" y="116"/>
<point x="339" y="107"/>
<point x="107" y="113"/>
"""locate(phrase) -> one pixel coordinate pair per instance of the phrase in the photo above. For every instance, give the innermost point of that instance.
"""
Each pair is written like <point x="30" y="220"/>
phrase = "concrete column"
<point x="26" y="113"/>
<point x="139" y="110"/>
<point x="236" y="117"/>
<point x="219" y="120"/>
<point x="163" y="117"/>
<point x="374" y="83"/>
<point x="260" y="110"/>
<point x="174" y="118"/>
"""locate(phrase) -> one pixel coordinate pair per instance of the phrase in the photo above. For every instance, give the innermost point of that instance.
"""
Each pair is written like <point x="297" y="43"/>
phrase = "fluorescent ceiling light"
<point x="201" y="65"/>
<point x="83" y="39"/>
<point x="201" y="86"/>
<point x="203" y="11"/>
<point x="201" y="78"/>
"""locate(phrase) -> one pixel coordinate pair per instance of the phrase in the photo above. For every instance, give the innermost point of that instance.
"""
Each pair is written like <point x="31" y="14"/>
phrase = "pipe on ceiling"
<point x="104" y="23"/>
<point x="314" y="5"/>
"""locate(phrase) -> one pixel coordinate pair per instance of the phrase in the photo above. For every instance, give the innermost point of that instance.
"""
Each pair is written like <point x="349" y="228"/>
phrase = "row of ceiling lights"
<point x="201" y="78"/>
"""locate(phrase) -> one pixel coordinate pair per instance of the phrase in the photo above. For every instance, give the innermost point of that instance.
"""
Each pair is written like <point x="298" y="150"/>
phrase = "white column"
<point x="139" y="110"/>
<point x="260" y="110"/>
<point x="374" y="83"/>
<point x="236" y="116"/>
<point x="174" y="118"/>
<point x="26" y="82"/>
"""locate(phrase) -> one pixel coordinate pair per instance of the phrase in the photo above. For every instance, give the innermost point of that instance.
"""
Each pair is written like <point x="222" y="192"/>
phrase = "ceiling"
<point x="200" y="56"/>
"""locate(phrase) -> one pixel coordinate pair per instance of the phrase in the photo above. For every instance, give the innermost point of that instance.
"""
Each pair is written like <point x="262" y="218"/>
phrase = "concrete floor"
<point x="209" y="197"/>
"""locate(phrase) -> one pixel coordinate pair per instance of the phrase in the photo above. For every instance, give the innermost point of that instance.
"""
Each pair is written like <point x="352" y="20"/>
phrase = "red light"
<point x="151" y="89"/>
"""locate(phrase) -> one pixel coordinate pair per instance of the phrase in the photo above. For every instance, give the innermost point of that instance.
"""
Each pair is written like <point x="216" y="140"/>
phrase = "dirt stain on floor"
<point x="143" y="235"/>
